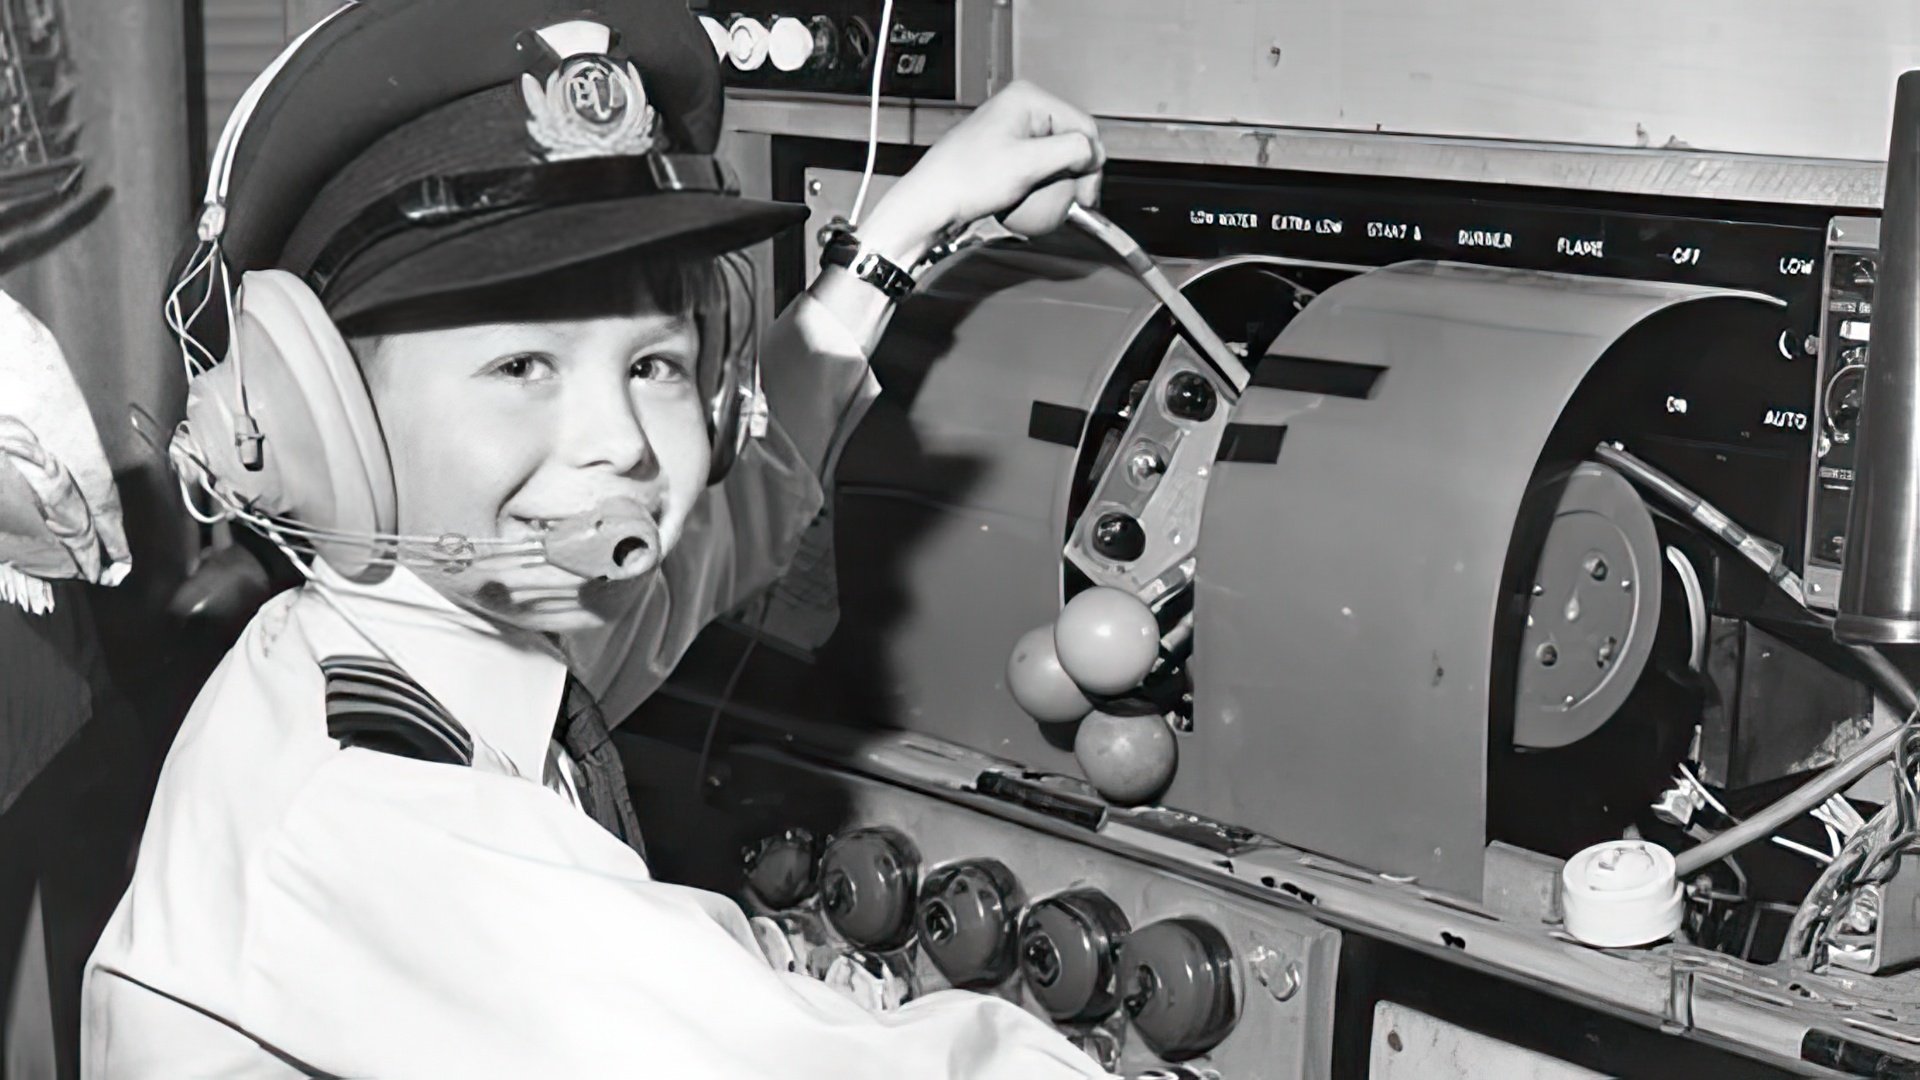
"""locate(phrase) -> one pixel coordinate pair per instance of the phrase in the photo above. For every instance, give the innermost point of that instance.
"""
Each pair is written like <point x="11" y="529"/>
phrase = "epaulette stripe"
<point x="372" y="673"/>
<point x="386" y="676"/>
<point x="406" y="698"/>
<point x="343" y="727"/>
<point x="375" y="705"/>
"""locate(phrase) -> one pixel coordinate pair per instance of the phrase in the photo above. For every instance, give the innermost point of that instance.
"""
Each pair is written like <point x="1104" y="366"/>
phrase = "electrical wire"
<point x="873" y="110"/>
<point x="1893" y="684"/>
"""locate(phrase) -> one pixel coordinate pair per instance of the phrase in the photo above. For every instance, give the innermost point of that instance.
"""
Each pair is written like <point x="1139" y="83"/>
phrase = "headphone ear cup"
<point x="323" y="460"/>
<point x="728" y="340"/>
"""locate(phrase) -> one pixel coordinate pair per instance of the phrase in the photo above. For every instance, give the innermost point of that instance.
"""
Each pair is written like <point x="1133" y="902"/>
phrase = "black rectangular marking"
<point x="1056" y="423"/>
<point x="1338" y="378"/>
<point x="1259" y="443"/>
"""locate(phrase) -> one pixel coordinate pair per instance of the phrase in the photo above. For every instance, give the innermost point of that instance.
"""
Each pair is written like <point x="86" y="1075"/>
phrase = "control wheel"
<point x="1176" y="981"/>
<point x="867" y="885"/>
<point x="1069" y="944"/>
<point x="781" y="870"/>
<point x="967" y="922"/>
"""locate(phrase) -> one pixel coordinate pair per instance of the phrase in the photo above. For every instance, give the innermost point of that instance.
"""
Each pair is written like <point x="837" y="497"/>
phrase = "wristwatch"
<point x="843" y="249"/>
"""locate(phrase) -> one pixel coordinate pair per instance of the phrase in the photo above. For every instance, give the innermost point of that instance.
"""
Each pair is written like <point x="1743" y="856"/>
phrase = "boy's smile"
<point x="499" y="430"/>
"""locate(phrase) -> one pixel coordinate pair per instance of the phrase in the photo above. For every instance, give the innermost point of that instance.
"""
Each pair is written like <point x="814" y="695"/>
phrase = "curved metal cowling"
<point x="1880" y="586"/>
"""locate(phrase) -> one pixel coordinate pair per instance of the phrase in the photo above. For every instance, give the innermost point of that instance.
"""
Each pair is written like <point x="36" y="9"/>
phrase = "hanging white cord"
<point x="873" y="110"/>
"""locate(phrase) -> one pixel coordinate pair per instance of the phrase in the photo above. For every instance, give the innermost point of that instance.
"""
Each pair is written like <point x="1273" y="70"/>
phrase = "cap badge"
<point x="589" y="106"/>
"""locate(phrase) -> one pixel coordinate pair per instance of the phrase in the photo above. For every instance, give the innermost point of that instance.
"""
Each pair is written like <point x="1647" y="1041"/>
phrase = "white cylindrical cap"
<point x="747" y="42"/>
<point x="790" y="45"/>
<point x="1620" y="894"/>
<point x="716" y="34"/>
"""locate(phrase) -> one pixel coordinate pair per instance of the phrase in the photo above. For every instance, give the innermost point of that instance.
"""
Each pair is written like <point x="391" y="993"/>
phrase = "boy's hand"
<point x="1025" y="156"/>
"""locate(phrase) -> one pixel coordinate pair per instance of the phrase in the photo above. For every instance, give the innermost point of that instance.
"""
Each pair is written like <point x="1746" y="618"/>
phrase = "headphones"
<point x="283" y="435"/>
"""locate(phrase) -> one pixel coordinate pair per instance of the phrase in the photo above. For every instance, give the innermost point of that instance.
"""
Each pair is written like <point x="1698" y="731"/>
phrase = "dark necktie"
<point x="582" y="729"/>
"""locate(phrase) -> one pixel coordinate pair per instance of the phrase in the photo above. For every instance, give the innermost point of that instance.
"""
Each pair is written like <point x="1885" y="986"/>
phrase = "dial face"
<point x="966" y="922"/>
<point x="781" y="871"/>
<point x="1067" y="947"/>
<point x="867" y="884"/>
<point x="1176" y="981"/>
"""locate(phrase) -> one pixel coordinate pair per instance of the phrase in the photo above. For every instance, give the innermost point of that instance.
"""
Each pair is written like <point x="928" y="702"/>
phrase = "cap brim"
<point x="423" y="263"/>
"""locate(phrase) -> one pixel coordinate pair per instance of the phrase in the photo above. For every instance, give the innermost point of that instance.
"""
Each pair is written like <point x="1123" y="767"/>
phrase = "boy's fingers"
<point x="1070" y="154"/>
<point x="1086" y="190"/>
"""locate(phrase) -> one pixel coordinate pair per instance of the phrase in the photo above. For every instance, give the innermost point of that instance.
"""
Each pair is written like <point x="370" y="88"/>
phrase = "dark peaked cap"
<point x="395" y="100"/>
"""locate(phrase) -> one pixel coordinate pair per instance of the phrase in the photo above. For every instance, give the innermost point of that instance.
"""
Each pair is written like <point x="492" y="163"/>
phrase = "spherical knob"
<point x="781" y="870"/>
<point x="1191" y="397"/>
<point x="1107" y="640"/>
<point x="1176" y="982"/>
<point x="790" y="44"/>
<point x="867" y="884"/>
<point x="747" y="42"/>
<point x="1128" y="759"/>
<point x="1039" y="684"/>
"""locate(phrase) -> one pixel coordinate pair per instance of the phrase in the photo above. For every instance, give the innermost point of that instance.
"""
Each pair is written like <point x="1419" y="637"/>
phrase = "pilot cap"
<point x="416" y="148"/>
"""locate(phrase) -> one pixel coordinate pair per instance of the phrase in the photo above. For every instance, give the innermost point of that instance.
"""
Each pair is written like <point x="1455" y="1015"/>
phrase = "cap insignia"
<point x="589" y="106"/>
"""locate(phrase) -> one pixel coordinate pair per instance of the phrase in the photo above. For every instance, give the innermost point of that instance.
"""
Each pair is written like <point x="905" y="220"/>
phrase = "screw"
<point x="1811" y="345"/>
<point x="1145" y="464"/>
<point x="814" y="187"/>
<point x="1548" y="654"/>
<point x="1597" y="568"/>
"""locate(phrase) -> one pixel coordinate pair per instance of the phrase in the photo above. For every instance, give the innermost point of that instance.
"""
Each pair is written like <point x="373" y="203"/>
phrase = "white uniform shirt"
<point x="303" y="909"/>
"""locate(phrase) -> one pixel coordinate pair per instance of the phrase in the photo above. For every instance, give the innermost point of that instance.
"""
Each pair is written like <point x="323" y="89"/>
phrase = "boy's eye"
<point x="524" y="366"/>
<point x="657" y="368"/>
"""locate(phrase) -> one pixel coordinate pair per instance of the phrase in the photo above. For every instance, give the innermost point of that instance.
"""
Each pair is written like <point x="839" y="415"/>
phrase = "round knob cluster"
<point x="1039" y="684"/>
<point x="867" y="885"/>
<point x="1128" y="759"/>
<point x="967" y="922"/>
<point x="1107" y="640"/>
<point x="1068" y="947"/>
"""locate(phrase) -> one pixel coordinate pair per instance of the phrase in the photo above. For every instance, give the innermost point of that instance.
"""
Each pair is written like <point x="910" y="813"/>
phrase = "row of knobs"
<point x="789" y="44"/>
<point x="1077" y="952"/>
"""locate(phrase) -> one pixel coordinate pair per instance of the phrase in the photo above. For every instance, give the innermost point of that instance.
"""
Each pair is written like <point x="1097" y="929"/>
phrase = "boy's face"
<point x="496" y="430"/>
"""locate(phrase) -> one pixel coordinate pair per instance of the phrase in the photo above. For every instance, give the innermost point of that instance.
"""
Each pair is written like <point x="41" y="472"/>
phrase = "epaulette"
<point x="375" y="705"/>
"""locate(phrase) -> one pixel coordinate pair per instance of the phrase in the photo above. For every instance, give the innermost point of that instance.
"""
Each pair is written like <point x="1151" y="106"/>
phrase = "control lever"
<point x="1211" y="348"/>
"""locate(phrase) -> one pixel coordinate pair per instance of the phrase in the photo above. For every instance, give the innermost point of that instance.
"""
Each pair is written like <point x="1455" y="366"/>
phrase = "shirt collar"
<point x="503" y="685"/>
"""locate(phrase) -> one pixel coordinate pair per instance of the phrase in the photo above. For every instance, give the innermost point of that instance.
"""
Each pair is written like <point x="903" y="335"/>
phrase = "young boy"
<point x="374" y="850"/>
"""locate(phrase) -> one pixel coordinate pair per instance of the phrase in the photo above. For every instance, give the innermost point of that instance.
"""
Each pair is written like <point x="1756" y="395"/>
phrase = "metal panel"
<point x="1749" y="76"/>
<point x="1744" y="177"/>
<point x="1412" y="1045"/>
<point x="1348" y="596"/>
